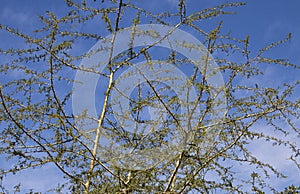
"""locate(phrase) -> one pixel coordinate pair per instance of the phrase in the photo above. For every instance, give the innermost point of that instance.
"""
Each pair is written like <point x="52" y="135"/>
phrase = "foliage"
<point x="39" y="128"/>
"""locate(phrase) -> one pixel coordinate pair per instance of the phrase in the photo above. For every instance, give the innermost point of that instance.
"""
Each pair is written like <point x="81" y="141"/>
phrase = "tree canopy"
<point x="123" y="98"/>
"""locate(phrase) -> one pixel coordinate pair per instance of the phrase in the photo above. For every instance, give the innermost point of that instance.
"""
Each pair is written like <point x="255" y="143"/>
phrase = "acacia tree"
<point x="183" y="143"/>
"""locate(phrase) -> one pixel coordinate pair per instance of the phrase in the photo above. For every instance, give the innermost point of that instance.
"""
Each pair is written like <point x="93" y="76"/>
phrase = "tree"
<point x="173" y="111"/>
<point x="291" y="189"/>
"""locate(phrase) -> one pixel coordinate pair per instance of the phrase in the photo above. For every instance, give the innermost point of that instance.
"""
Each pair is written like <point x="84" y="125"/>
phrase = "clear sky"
<point x="264" y="20"/>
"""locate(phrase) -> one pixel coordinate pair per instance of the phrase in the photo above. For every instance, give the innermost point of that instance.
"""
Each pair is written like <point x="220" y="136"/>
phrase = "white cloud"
<point x="278" y="156"/>
<point x="40" y="179"/>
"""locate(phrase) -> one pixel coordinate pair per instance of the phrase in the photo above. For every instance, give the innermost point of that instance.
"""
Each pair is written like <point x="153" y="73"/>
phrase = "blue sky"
<point x="264" y="20"/>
